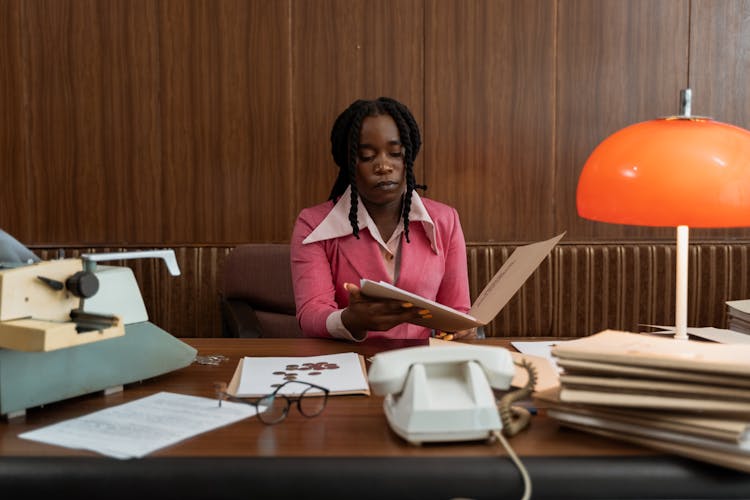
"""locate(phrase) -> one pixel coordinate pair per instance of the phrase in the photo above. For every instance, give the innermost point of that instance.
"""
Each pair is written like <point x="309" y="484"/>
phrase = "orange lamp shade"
<point x="669" y="172"/>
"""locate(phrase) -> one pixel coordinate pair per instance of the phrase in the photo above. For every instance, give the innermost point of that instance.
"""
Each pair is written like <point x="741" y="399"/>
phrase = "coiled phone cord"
<point x="514" y="418"/>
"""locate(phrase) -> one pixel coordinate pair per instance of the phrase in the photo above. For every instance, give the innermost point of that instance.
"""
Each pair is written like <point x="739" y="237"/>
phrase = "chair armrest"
<point x="239" y="319"/>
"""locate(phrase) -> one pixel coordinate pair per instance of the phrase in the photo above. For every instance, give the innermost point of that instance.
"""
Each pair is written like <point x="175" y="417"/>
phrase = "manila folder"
<point x="514" y="272"/>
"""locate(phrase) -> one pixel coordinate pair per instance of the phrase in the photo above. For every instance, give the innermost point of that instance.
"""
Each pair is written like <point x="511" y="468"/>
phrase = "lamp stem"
<point x="686" y="102"/>
<point x="681" y="284"/>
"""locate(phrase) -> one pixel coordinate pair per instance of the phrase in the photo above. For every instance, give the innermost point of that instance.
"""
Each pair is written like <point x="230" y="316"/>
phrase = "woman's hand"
<point x="471" y="333"/>
<point x="370" y="314"/>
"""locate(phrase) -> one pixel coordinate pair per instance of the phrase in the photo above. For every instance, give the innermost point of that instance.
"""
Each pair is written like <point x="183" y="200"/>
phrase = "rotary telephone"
<point x="446" y="393"/>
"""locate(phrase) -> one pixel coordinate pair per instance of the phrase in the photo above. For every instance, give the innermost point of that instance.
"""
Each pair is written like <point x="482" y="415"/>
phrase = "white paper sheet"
<point x="135" y="429"/>
<point x="740" y="305"/>
<point x="540" y="348"/>
<point x="336" y="372"/>
<point x="719" y="335"/>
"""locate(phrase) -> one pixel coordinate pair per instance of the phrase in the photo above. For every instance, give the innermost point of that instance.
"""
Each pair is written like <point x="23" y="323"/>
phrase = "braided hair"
<point x="345" y="136"/>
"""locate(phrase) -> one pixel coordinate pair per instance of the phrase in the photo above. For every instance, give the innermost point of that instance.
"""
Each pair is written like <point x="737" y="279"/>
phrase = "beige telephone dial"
<point x="442" y="393"/>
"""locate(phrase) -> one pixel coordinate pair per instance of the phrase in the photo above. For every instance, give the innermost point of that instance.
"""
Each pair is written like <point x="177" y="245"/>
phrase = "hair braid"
<point x="353" y="141"/>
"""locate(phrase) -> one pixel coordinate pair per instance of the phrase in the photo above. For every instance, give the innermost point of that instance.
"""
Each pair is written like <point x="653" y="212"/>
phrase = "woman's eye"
<point x="366" y="158"/>
<point x="397" y="154"/>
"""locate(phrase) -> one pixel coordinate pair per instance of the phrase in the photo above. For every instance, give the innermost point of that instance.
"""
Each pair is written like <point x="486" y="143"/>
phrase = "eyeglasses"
<point x="272" y="408"/>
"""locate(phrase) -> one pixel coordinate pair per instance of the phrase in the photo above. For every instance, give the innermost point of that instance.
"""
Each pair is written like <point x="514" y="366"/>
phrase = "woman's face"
<point x="380" y="175"/>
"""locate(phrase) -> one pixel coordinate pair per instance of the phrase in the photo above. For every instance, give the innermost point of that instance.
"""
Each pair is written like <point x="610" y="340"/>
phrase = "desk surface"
<point x="347" y="452"/>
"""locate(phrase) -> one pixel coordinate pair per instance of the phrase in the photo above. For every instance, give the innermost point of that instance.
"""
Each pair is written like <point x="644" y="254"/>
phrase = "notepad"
<point x="342" y="373"/>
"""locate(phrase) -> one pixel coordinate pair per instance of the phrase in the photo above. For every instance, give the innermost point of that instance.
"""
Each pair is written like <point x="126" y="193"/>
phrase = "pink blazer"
<point x="320" y="269"/>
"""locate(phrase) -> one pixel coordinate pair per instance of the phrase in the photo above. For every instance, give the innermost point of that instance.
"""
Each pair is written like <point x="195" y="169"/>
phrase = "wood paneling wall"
<point x="345" y="50"/>
<point x="619" y="63"/>
<point x="489" y="124"/>
<point x="201" y="124"/>
<point x="165" y="122"/>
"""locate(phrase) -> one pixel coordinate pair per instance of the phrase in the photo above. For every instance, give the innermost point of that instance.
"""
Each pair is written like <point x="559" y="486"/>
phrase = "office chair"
<point x="257" y="299"/>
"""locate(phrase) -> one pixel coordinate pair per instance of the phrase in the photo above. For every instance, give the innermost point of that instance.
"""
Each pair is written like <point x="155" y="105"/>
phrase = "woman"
<point x="375" y="226"/>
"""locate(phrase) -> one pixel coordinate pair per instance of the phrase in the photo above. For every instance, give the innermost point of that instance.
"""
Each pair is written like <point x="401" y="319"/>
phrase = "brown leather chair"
<point x="257" y="298"/>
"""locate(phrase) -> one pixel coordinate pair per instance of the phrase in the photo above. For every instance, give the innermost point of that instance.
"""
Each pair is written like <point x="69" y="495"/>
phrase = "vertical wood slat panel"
<point x="346" y="50"/>
<point x="489" y="100"/>
<point x="585" y="288"/>
<point x="578" y="290"/>
<point x="185" y="305"/>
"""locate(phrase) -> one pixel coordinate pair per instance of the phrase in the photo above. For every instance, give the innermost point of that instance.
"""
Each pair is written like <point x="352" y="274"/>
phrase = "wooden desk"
<point x="347" y="452"/>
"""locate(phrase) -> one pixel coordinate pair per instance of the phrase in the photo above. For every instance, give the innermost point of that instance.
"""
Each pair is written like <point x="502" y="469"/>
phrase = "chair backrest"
<point x="259" y="275"/>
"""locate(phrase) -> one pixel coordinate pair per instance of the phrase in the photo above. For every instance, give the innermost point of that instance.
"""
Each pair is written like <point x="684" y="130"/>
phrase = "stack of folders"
<point x="738" y="314"/>
<point x="683" y="397"/>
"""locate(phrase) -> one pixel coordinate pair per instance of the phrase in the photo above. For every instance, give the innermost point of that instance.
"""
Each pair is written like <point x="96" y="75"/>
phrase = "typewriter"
<point x="70" y="327"/>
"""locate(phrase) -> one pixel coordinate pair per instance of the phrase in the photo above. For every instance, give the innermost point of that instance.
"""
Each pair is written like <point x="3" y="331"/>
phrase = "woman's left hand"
<point x="471" y="333"/>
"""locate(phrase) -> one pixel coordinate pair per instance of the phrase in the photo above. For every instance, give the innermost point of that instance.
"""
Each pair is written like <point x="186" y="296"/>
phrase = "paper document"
<point x="723" y="428"/>
<point x="723" y="442"/>
<point x="743" y="306"/>
<point x="342" y="373"/>
<point x="635" y="349"/>
<point x="720" y="335"/>
<point x="541" y="348"/>
<point x="605" y="368"/>
<point x="135" y="429"/>
<point x="514" y="272"/>
<point x="742" y="447"/>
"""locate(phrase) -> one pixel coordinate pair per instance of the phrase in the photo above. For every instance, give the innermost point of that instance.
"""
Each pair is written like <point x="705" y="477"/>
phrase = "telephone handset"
<point x="442" y="393"/>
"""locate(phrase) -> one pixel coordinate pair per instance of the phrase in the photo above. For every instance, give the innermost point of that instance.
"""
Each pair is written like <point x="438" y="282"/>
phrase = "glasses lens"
<point x="311" y="402"/>
<point x="272" y="408"/>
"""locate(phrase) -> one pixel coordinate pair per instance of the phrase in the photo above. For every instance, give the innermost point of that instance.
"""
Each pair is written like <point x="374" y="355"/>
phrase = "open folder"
<point x="341" y="373"/>
<point x="506" y="282"/>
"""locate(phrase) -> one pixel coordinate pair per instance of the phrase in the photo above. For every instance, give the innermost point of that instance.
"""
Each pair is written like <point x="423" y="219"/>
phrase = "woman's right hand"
<point x="370" y="314"/>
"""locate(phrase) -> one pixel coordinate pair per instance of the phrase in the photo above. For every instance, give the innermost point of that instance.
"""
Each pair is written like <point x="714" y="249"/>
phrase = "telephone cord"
<point x="517" y="461"/>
